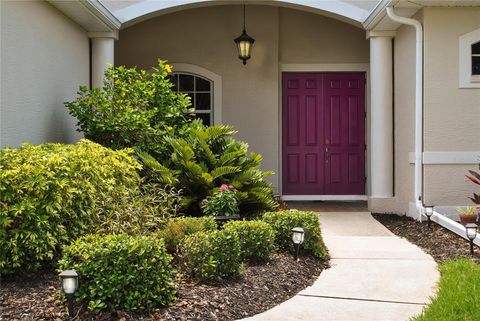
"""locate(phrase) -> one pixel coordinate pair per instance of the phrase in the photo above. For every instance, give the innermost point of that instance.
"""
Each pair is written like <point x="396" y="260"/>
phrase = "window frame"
<point x="466" y="77"/>
<point x="215" y="89"/>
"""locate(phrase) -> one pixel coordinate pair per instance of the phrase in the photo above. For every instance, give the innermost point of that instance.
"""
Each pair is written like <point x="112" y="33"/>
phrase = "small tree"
<point x="134" y="108"/>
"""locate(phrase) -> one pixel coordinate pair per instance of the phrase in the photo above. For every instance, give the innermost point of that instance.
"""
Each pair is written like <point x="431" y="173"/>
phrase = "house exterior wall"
<point x="452" y="114"/>
<point x="44" y="58"/>
<point x="251" y="93"/>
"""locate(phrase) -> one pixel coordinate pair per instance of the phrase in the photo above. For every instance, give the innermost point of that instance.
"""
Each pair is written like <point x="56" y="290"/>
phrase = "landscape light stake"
<point x="69" y="287"/>
<point x="298" y="237"/>
<point x="471" y="231"/>
<point x="429" y="213"/>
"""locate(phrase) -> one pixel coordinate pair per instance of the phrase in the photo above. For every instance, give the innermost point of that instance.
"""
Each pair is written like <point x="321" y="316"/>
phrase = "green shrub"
<point x="139" y="213"/>
<point x="176" y="229"/>
<point x="206" y="158"/>
<point x="283" y="222"/>
<point x="206" y="255"/>
<point x="257" y="239"/>
<point x="49" y="195"/>
<point x="223" y="202"/>
<point x="121" y="272"/>
<point x="135" y="108"/>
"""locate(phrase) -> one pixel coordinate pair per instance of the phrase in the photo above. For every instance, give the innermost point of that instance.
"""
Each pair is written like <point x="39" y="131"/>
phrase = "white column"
<point x="381" y="114"/>
<point x="102" y="54"/>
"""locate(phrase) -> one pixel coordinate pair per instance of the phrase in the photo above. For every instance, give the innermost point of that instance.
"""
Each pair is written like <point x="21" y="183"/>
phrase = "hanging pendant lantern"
<point x="244" y="43"/>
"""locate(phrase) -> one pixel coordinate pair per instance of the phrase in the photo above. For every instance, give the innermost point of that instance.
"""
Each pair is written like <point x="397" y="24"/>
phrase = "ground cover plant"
<point x="50" y="194"/>
<point x="118" y="271"/>
<point x="283" y="222"/>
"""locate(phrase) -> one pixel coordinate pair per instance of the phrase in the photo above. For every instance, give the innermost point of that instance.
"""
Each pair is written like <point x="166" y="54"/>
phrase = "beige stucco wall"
<point x="251" y="102"/>
<point x="44" y="58"/>
<point x="452" y="115"/>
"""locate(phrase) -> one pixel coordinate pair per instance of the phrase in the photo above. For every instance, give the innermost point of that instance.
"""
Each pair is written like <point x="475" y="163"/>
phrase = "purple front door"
<point x="323" y="134"/>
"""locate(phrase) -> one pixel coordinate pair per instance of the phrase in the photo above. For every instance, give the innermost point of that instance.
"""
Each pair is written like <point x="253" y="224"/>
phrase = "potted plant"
<point x="467" y="215"/>
<point x="223" y="204"/>
<point x="475" y="178"/>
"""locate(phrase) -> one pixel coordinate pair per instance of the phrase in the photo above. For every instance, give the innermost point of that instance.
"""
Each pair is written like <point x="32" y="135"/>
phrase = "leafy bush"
<point x="206" y="255"/>
<point x="283" y="222"/>
<point x="206" y="158"/>
<point x="176" y="229"/>
<point x="223" y="202"/>
<point x="139" y="213"/>
<point x="49" y="195"/>
<point x="135" y="108"/>
<point x="257" y="239"/>
<point x="121" y="272"/>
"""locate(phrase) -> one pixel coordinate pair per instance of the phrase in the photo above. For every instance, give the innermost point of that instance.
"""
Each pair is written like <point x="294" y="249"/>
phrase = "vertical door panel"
<point x="323" y="128"/>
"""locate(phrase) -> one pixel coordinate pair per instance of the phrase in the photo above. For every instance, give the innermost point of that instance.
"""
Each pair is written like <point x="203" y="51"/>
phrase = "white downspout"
<point x="418" y="105"/>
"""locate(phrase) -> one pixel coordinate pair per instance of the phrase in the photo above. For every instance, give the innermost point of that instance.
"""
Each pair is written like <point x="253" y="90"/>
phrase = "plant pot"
<point x="466" y="219"/>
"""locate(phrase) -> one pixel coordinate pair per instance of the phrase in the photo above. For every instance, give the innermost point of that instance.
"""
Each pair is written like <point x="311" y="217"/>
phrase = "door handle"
<point x="327" y="154"/>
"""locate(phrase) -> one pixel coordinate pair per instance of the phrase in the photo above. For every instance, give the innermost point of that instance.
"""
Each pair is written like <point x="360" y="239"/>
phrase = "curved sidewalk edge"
<point x="374" y="276"/>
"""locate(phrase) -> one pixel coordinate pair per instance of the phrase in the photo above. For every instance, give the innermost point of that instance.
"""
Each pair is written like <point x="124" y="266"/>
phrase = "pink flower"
<point x="224" y="187"/>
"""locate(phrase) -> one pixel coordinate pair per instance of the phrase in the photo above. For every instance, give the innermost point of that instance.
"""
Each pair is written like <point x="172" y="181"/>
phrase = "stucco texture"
<point x="452" y="115"/>
<point x="251" y="93"/>
<point x="44" y="58"/>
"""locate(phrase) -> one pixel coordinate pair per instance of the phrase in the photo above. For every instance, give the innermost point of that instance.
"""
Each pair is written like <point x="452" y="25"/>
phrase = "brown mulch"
<point x="260" y="288"/>
<point x="437" y="241"/>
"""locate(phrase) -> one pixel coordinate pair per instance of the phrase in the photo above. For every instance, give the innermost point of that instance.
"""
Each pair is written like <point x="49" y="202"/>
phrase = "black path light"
<point x="428" y="213"/>
<point x="69" y="287"/>
<point x="471" y="231"/>
<point x="244" y="43"/>
<point x="298" y="236"/>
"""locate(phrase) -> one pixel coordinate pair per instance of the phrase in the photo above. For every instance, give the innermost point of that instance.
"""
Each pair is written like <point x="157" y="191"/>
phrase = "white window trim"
<point x="217" y="86"/>
<point x="465" y="77"/>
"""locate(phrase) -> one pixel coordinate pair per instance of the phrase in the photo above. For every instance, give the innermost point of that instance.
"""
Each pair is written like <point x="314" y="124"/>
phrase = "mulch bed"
<point x="437" y="241"/>
<point x="260" y="288"/>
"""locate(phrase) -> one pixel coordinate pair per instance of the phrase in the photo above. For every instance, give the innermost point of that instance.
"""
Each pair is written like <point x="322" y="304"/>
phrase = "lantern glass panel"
<point x="429" y="210"/>
<point x="298" y="236"/>
<point x="69" y="285"/>
<point x="471" y="230"/>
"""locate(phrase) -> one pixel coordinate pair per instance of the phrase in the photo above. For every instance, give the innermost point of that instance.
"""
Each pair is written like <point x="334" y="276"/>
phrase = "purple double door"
<point x="323" y="121"/>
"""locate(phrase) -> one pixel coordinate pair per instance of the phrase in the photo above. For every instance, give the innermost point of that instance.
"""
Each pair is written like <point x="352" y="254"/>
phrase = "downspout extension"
<point x="418" y="105"/>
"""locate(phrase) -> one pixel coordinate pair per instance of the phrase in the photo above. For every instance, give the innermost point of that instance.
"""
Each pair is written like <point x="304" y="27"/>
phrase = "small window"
<point x="199" y="89"/>
<point x="476" y="58"/>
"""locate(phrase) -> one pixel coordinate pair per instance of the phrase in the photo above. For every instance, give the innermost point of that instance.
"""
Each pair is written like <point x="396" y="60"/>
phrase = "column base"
<point x="387" y="205"/>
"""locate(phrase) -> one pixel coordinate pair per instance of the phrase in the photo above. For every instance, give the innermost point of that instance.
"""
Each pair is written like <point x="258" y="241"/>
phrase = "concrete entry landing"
<point x="374" y="276"/>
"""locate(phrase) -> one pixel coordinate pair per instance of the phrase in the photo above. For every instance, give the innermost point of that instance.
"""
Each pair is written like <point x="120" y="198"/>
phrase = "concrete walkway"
<point x="374" y="276"/>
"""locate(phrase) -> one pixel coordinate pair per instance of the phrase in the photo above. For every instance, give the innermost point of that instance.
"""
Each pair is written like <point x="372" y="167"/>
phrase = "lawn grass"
<point x="458" y="296"/>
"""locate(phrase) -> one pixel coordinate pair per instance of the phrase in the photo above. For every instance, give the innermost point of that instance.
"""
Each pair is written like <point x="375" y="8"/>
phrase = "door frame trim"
<point x="353" y="67"/>
<point x="324" y="197"/>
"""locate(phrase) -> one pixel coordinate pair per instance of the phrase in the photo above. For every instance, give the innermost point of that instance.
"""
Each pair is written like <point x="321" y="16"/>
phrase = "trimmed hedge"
<point x="207" y="255"/>
<point x="283" y="222"/>
<point x="121" y="272"/>
<point x="257" y="239"/>
<point x="49" y="196"/>
<point x="178" y="228"/>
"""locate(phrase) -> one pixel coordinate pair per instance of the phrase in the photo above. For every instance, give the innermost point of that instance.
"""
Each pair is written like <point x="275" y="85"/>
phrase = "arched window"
<point x="469" y="62"/>
<point x="200" y="90"/>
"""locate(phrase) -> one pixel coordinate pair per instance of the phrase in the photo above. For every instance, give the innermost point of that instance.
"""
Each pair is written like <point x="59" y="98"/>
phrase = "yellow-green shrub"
<point x="49" y="195"/>
<point x="283" y="222"/>
<point x="178" y="228"/>
<point x="121" y="272"/>
<point x="257" y="239"/>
